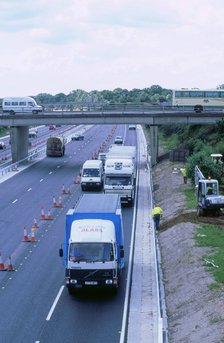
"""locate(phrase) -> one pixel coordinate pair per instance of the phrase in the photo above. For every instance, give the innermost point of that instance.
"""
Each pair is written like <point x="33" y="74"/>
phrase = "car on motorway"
<point x="78" y="137"/>
<point x="2" y="145"/>
<point x="52" y="127"/>
<point x="118" y="140"/>
<point x="132" y="127"/>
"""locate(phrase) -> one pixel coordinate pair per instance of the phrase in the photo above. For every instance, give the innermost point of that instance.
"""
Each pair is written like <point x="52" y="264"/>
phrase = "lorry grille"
<point x="91" y="274"/>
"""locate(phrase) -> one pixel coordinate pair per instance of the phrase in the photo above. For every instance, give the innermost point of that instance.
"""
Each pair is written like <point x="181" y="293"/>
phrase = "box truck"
<point x="93" y="246"/>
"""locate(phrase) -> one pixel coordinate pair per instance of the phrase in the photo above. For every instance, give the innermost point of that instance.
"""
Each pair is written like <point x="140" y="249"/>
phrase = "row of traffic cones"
<point x="9" y="266"/>
<point x="26" y="238"/>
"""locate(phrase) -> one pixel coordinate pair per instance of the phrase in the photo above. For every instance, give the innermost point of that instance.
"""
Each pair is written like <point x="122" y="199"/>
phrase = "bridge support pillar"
<point x="154" y="144"/>
<point x="19" y="136"/>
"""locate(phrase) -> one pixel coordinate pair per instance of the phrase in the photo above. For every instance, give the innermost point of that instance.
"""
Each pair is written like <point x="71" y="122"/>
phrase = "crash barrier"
<point x="162" y="321"/>
<point x="11" y="167"/>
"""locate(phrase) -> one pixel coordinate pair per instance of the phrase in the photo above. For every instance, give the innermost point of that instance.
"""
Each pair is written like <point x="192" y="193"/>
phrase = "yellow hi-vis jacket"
<point x="184" y="172"/>
<point x="157" y="210"/>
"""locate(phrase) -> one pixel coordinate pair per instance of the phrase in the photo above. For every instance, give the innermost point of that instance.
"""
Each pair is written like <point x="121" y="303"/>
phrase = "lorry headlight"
<point x="73" y="281"/>
<point x="109" y="282"/>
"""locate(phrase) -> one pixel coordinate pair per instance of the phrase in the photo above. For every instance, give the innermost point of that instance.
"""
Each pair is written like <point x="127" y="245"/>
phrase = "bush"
<point x="205" y="164"/>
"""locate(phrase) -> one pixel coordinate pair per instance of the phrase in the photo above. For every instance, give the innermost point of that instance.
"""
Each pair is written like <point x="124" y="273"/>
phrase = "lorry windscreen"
<point x="91" y="252"/>
<point x="118" y="180"/>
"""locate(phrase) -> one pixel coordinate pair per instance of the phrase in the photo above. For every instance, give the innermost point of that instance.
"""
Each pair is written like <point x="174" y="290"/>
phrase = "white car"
<point x="132" y="127"/>
<point x="118" y="140"/>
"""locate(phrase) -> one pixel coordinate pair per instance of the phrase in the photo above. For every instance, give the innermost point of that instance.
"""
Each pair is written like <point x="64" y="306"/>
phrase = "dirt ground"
<point x="195" y="312"/>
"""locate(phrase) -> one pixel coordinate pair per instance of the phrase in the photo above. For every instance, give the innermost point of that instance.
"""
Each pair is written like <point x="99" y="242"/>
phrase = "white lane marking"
<point x="41" y="180"/>
<point x="30" y="189"/>
<point x="15" y="201"/>
<point x="55" y="303"/>
<point x="50" y="173"/>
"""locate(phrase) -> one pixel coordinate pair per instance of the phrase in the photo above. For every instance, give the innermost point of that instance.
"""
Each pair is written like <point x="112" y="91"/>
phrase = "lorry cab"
<point x="92" y="175"/>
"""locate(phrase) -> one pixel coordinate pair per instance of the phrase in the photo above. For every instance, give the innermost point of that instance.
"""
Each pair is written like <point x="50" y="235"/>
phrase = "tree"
<point x="205" y="164"/>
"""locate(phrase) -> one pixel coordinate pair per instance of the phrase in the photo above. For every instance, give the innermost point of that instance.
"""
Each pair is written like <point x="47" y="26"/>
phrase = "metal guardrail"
<point x="9" y="166"/>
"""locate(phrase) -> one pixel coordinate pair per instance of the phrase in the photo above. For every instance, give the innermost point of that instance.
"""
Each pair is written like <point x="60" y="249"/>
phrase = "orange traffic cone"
<point x="43" y="214"/>
<point x="33" y="239"/>
<point x="77" y="179"/>
<point x="68" y="191"/>
<point x="49" y="216"/>
<point x="25" y="236"/>
<point x="10" y="267"/>
<point x="59" y="202"/>
<point x="54" y="202"/>
<point x="2" y="266"/>
<point x="63" y="189"/>
<point x="35" y="222"/>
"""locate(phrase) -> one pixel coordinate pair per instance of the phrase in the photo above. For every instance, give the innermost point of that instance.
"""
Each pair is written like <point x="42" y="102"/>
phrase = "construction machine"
<point x="207" y="193"/>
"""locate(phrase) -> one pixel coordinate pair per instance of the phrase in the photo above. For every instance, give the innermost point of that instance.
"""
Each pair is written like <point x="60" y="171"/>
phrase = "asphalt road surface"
<point x="35" y="305"/>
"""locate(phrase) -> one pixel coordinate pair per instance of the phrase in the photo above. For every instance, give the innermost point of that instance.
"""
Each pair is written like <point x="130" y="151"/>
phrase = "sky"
<point x="57" y="46"/>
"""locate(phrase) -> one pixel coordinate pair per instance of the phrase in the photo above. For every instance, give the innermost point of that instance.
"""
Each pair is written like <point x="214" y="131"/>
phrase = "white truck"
<point x="125" y="152"/>
<point x="120" y="178"/>
<point x="92" y="175"/>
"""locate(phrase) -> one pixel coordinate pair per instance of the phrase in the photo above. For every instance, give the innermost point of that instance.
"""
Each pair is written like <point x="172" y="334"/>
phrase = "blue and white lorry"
<point x="93" y="246"/>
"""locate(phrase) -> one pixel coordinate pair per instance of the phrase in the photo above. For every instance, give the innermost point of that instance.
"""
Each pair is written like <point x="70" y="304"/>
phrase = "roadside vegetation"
<point x="212" y="236"/>
<point x="4" y="131"/>
<point x="201" y="142"/>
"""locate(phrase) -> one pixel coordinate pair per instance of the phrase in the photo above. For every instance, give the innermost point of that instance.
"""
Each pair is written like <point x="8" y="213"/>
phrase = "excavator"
<point x="207" y="193"/>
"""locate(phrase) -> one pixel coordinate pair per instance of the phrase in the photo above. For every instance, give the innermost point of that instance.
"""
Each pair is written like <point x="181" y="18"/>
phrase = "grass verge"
<point x="190" y="198"/>
<point x="212" y="236"/>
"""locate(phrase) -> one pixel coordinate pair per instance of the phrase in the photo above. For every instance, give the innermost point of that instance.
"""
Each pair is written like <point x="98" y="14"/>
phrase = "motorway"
<point x="35" y="305"/>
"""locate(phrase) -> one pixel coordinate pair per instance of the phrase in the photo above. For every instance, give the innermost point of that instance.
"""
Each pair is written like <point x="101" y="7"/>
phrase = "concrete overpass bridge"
<point x="19" y="123"/>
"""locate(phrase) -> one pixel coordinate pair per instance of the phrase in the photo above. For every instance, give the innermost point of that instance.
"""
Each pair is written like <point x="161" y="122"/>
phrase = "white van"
<point x="20" y="105"/>
<point x="92" y="175"/>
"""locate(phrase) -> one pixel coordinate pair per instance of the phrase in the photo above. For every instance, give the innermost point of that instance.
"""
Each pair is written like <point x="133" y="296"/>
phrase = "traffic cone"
<point x="35" y="222"/>
<point x="33" y="239"/>
<point x="49" y="216"/>
<point x="77" y="179"/>
<point x="43" y="214"/>
<point x="2" y="266"/>
<point x="54" y="202"/>
<point x="25" y="236"/>
<point x="10" y="267"/>
<point x="59" y="202"/>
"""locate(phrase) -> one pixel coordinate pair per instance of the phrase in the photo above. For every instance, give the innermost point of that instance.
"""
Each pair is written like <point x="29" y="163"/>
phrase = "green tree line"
<point x="152" y="95"/>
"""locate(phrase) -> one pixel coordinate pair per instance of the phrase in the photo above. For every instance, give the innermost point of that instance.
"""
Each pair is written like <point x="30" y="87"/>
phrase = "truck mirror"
<point x="61" y="252"/>
<point x="122" y="253"/>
